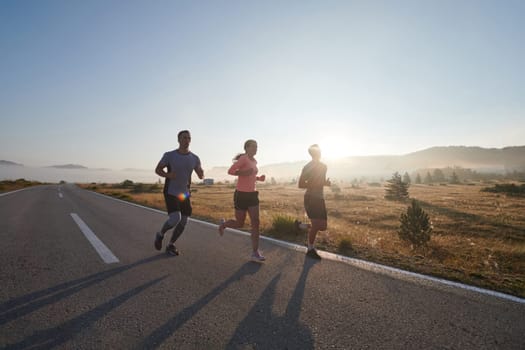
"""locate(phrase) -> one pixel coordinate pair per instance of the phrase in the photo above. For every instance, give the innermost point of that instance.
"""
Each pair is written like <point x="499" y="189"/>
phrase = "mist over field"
<point x="483" y="160"/>
<point x="84" y="175"/>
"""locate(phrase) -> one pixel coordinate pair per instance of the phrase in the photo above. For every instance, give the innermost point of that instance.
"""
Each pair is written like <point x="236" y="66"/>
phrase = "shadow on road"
<point x="158" y="336"/>
<point x="263" y="330"/>
<point x="48" y="338"/>
<point x="29" y="303"/>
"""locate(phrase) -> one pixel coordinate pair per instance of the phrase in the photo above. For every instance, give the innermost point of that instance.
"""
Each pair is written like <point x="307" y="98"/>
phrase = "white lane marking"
<point x="363" y="264"/>
<point x="100" y="247"/>
<point x="60" y="195"/>
<point x="6" y="193"/>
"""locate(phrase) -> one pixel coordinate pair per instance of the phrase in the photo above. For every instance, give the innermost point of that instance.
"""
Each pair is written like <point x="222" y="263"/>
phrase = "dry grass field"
<point x="13" y="185"/>
<point x="478" y="237"/>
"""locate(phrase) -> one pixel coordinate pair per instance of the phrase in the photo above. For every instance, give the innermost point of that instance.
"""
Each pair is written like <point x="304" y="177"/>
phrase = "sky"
<point x="108" y="84"/>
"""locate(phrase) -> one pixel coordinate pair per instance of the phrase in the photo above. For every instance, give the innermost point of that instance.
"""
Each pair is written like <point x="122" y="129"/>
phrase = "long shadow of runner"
<point x="158" y="336"/>
<point x="28" y="303"/>
<point x="52" y="337"/>
<point x="262" y="330"/>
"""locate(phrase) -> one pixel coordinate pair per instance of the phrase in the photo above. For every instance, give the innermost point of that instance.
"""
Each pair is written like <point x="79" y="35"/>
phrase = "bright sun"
<point x="334" y="148"/>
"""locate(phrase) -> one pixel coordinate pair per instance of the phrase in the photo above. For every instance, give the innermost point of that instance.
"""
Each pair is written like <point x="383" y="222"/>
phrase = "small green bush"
<point x="415" y="225"/>
<point x="345" y="246"/>
<point x="284" y="225"/>
<point x="138" y="188"/>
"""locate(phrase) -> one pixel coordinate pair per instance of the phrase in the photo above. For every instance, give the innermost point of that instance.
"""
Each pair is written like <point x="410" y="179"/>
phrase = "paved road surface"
<point x="57" y="291"/>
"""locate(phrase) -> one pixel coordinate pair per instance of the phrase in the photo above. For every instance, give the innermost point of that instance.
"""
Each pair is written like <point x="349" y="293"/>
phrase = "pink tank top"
<point x="245" y="183"/>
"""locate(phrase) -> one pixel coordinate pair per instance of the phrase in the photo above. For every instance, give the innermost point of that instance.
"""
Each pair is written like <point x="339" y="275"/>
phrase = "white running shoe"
<point x="221" y="226"/>
<point x="256" y="256"/>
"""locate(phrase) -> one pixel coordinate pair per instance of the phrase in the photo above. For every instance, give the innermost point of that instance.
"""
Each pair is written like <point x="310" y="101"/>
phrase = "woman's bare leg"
<point x="253" y="212"/>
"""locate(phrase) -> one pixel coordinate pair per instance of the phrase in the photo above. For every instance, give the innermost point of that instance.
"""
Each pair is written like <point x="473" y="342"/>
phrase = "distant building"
<point x="208" y="181"/>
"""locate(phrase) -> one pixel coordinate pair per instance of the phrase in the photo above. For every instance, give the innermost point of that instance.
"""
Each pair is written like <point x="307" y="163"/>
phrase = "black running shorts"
<point x="245" y="200"/>
<point x="175" y="204"/>
<point x="315" y="207"/>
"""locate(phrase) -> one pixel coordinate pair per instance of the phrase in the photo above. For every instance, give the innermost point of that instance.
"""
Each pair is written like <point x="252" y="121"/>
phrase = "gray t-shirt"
<point x="182" y="165"/>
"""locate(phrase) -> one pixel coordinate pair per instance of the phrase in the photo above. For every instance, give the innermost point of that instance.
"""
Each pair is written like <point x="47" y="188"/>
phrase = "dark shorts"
<point x="315" y="207"/>
<point x="245" y="200"/>
<point x="175" y="204"/>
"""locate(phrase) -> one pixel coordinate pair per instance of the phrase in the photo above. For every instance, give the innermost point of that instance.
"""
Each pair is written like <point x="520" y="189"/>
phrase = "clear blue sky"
<point x="110" y="83"/>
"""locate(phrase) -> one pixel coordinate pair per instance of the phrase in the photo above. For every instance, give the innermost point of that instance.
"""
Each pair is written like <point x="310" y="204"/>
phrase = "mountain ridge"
<point x="9" y="163"/>
<point x="498" y="160"/>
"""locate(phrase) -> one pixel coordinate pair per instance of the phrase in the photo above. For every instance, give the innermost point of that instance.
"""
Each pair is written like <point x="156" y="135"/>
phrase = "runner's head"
<point x="250" y="146"/>
<point x="184" y="138"/>
<point x="314" y="151"/>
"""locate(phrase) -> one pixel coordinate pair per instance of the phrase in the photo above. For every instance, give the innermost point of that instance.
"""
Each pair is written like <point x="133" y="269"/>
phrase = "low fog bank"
<point x="55" y="175"/>
<point x="496" y="161"/>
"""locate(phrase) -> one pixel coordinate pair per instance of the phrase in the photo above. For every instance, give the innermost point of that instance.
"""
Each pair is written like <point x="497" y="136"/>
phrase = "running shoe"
<point x="301" y="226"/>
<point x="312" y="253"/>
<point x="158" y="241"/>
<point x="172" y="250"/>
<point x="221" y="226"/>
<point x="256" y="256"/>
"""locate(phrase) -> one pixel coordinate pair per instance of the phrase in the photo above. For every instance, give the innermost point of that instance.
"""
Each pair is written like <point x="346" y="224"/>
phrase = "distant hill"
<point x="506" y="159"/>
<point x="9" y="163"/>
<point x="68" y="166"/>
<point x="494" y="160"/>
<point x="137" y="169"/>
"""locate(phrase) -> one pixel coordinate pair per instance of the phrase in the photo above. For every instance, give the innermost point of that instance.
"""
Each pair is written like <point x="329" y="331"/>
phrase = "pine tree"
<point x="428" y="178"/>
<point x="406" y="178"/>
<point x="418" y="178"/>
<point x="454" y="178"/>
<point x="396" y="189"/>
<point x="415" y="225"/>
<point x="438" y="175"/>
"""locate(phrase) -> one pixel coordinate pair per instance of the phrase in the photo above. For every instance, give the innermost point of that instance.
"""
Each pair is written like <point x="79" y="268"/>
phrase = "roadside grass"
<point x="13" y="185"/>
<point x="478" y="237"/>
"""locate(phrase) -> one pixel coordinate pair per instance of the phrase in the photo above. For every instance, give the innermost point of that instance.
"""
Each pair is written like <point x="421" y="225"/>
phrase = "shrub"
<point x="155" y="188"/>
<point x="284" y="224"/>
<point x="123" y="196"/>
<point x="509" y="189"/>
<point x="345" y="246"/>
<point x="126" y="184"/>
<point x="415" y="225"/>
<point x="339" y="196"/>
<point x="335" y="188"/>
<point x="138" y="188"/>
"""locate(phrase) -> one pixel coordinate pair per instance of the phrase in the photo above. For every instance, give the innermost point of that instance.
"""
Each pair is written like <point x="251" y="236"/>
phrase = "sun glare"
<point x="334" y="148"/>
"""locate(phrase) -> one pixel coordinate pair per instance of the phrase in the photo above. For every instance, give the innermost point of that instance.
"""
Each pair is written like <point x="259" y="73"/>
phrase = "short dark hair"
<point x="182" y="132"/>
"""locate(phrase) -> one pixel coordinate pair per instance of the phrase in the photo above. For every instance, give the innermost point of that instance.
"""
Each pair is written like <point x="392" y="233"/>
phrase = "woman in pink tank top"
<point x="246" y="197"/>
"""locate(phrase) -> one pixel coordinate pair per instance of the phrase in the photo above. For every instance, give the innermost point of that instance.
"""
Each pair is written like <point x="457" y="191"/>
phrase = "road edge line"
<point x="363" y="264"/>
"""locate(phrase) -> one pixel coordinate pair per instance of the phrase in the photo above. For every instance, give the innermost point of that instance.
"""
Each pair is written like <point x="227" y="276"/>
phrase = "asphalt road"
<point x="57" y="291"/>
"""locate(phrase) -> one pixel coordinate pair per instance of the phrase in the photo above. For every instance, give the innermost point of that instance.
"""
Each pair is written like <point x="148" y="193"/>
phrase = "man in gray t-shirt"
<point x="176" y="167"/>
